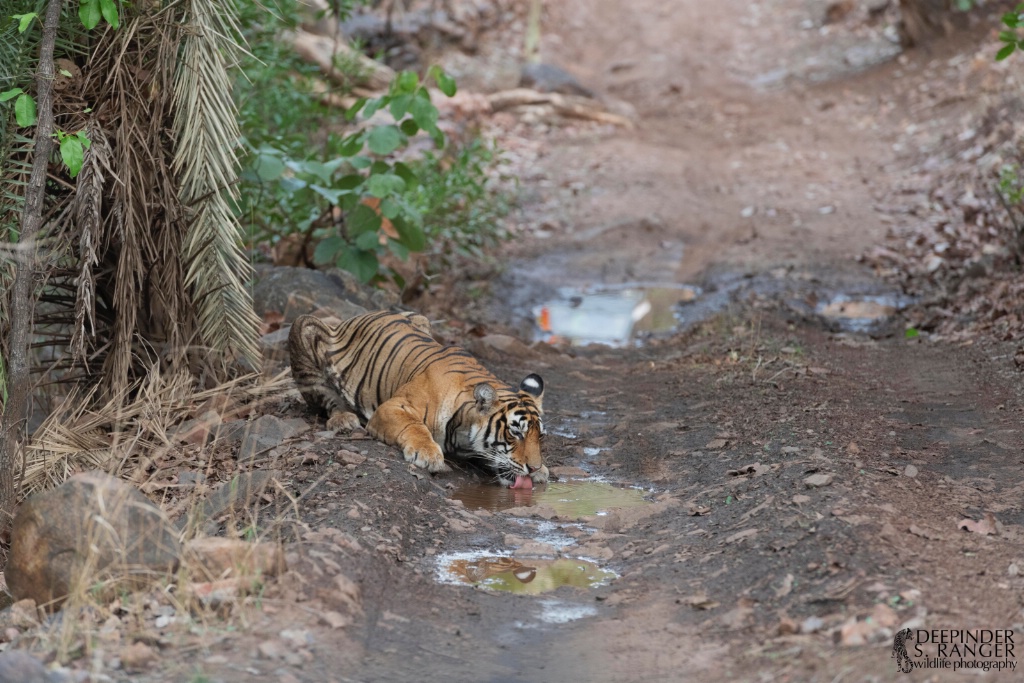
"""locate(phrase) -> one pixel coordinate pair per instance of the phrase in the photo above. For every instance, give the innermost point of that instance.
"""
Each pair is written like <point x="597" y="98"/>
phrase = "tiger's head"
<point x="506" y="431"/>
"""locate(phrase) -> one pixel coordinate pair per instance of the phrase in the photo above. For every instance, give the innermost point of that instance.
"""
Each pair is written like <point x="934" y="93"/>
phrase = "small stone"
<point x="818" y="480"/>
<point x="567" y="472"/>
<point x="137" y="656"/>
<point x="350" y="458"/>
<point x="910" y="471"/>
<point x="216" y="558"/>
<point x="353" y="513"/>
<point x="335" y="619"/>
<point x="272" y="649"/>
<point x="812" y="625"/>
<point x="801" y="499"/>
<point x="1013" y="569"/>
<point x="787" y="627"/>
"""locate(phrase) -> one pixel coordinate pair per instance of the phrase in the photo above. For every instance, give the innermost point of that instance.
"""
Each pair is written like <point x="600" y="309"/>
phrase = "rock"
<point x="346" y="457"/>
<point x="812" y="625"/>
<point x="550" y="78"/>
<point x="21" y="615"/>
<point x="18" y="666"/>
<point x="92" y="522"/>
<point x="818" y="480"/>
<point x="297" y="291"/>
<point x="503" y="343"/>
<point x="335" y="619"/>
<point x="217" y="558"/>
<point x="137" y="657"/>
<point x="235" y="495"/>
<point x="266" y="432"/>
<point x="276" y="343"/>
<point x="219" y="592"/>
<point x="910" y="471"/>
<point x="196" y="432"/>
<point x="272" y="649"/>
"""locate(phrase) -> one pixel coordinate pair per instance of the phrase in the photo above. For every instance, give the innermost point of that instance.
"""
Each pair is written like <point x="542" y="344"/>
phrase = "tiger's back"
<point x="386" y="371"/>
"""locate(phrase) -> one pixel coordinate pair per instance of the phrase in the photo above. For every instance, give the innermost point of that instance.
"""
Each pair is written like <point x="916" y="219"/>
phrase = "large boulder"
<point x="296" y="291"/>
<point x="93" y="530"/>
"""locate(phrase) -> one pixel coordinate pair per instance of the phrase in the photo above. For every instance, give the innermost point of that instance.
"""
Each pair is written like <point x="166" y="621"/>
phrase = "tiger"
<point x="386" y="372"/>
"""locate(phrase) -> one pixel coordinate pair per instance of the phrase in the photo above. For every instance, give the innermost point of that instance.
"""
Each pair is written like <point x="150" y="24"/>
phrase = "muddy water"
<point x="614" y="316"/>
<point x="528" y="576"/>
<point x="570" y="499"/>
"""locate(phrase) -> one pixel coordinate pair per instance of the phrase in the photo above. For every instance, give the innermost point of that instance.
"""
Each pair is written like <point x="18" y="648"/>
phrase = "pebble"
<point x="818" y="480"/>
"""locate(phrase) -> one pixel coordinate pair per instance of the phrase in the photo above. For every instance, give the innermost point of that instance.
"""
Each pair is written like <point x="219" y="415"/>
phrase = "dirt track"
<point x="741" y="568"/>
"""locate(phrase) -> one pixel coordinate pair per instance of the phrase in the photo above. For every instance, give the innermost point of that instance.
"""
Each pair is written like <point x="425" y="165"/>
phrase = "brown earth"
<point x="760" y="150"/>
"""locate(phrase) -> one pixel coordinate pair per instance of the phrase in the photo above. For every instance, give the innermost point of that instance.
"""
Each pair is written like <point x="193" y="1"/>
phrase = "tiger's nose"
<point x="531" y="469"/>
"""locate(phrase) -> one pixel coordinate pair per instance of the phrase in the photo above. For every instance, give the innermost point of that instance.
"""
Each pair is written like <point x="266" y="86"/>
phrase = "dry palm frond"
<point x="128" y="427"/>
<point x="207" y="135"/>
<point x="87" y="206"/>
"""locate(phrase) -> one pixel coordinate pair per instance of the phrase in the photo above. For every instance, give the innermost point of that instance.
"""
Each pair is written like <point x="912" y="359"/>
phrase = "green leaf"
<point x="329" y="193"/>
<point x="10" y="94"/>
<point x="389" y="208"/>
<point x="83" y="137"/>
<point x="445" y="83"/>
<point x="90" y="14"/>
<point x="368" y="240"/>
<point x="351" y="112"/>
<point x="65" y="73"/>
<point x="410" y="236"/>
<point x="268" y="166"/>
<point x="349" y="182"/>
<point x="362" y="264"/>
<point x="405" y="172"/>
<point x="351" y="145"/>
<point x="327" y="251"/>
<point x="109" y="10"/>
<point x="25" y="110"/>
<point x="384" y="184"/>
<point x="73" y="154"/>
<point x="384" y="140"/>
<point x="406" y="82"/>
<point x="398" y="250"/>
<point x="372" y="106"/>
<point x="409" y="127"/>
<point x="362" y="219"/>
<point x="1006" y="51"/>
<point x="400" y="105"/>
<point x="911" y="333"/>
<point x="24" y="20"/>
<point x="1008" y="36"/>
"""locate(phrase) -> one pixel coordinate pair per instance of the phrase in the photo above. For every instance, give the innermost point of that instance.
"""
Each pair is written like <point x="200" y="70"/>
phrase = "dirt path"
<point x="803" y="487"/>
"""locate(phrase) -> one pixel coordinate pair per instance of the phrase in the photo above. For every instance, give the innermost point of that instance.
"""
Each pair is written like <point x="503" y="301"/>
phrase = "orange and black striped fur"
<point x="385" y="371"/>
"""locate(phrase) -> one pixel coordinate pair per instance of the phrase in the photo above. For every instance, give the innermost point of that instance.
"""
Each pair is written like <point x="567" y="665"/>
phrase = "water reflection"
<point x="611" y="316"/>
<point x="528" y="577"/>
<point x="570" y="499"/>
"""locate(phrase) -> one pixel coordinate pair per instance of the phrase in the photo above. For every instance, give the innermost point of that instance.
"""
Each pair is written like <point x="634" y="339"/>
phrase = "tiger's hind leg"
<point x="318" y="381"/>
<point x="396" y="423"/>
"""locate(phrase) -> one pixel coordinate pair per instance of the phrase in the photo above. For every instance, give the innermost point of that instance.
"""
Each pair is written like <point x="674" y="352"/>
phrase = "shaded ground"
<point x="805" y="485"/>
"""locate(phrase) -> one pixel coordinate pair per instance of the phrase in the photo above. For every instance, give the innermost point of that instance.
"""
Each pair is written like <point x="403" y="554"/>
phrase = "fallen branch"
<point x="570" y="106"/>
<point x="327" y="52"/>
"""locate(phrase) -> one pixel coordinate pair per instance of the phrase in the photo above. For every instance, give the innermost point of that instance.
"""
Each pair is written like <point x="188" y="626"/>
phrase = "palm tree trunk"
<point x="15" y="415"/>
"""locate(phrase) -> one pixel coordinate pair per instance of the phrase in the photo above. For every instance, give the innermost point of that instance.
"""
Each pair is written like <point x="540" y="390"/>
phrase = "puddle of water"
<point x="572" y="498"/>
<point x="614" y="316"/>
<point x="524" y="576"/>
<point x="558" y="612"/>
<point x="860" y="314"/>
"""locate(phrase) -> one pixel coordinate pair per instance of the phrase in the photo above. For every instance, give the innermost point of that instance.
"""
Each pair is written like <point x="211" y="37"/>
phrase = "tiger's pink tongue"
<point x="522" y="482"/>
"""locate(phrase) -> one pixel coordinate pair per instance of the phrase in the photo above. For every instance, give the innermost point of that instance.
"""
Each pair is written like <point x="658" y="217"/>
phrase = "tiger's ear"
<point x="534" y="386"/>
<point x="485" y="396"/>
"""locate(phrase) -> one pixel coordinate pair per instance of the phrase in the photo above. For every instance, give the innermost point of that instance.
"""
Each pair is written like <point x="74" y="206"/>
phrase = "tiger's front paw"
<point x="344" y="422"/>
<point x="428" y="457"/>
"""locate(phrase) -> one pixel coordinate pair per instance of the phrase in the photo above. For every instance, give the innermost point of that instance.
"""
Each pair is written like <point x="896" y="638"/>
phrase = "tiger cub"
<point x="385" y="371"/>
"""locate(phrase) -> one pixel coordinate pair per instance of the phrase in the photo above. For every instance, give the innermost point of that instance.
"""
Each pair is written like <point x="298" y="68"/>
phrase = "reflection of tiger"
<point x="384" y="370"/>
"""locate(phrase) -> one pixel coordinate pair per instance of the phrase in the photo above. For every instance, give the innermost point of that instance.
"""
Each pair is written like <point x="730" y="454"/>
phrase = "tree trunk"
<point x="15" y="415"/>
